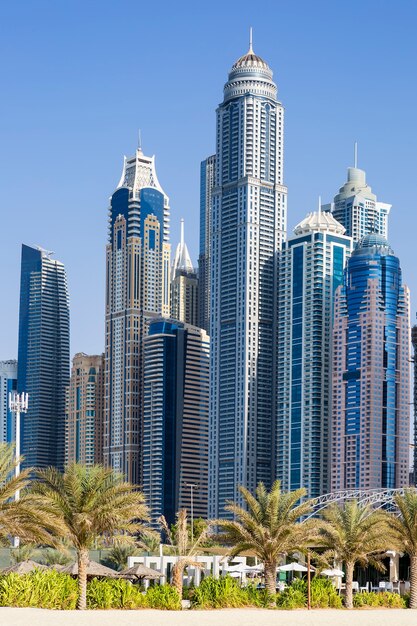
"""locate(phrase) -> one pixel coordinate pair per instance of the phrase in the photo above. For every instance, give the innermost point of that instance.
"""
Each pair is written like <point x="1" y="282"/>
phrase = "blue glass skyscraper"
<point x="371" y="371"/>
<point x="175" y="423"/>
<point x="43" y="357"/>
<point x="137" y="289"/>
<point x="310" y="270"/>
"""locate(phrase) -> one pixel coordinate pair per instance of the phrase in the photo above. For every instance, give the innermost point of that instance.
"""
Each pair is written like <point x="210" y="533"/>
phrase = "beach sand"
<point x="226" y="617"/>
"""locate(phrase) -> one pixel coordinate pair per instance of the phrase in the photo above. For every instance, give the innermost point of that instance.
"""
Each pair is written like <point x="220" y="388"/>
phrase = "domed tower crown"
<point x="250" y="73"/>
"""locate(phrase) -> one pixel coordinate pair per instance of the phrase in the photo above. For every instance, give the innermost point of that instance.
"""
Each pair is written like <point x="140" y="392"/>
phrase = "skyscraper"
<point x="137" y="289"/>
<point x="184" y="285"/>
<point x="356" y="207"/>
<point x="176" y="399"/>
<point x="84" y="410"/>
<point x="43" y="356"/>
<point x="204" y="279"/>
<point x="8" y="384"/>
<point x="310" y="269"/>
<point x="248" y="228"/>
<point x="371" y="372"/>
<point x="414" y="342"/>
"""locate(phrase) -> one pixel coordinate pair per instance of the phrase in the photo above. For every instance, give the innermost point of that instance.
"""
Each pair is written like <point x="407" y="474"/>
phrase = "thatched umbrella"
<point x="24" y="567"/>
<point x="94" y="570"/>
<point x="139" y="572"/>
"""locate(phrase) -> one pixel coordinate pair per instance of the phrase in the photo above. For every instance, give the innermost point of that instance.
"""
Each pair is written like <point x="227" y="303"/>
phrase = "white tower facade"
<point x="248" y="228"/>
<point x="357" y="208"/>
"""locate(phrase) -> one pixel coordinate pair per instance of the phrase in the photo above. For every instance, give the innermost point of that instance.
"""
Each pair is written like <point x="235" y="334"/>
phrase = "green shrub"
<point x="46" y="589"/>
<point x="294" y="596"/>
<point x="324" y="595"/>
<point x="225" y="592"/>
<point x="385" y="598"/>
<point x="113" y="594"/>
<point x="163" y="597"/>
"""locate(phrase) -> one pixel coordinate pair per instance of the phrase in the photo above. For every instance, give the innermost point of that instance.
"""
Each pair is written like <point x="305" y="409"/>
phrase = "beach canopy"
<point x="332" y="572"/>
<point x="293" y="567"/>
<point x="24" y="567"/>
<point x="93" y="569"/>
<point x="140" y="571"/>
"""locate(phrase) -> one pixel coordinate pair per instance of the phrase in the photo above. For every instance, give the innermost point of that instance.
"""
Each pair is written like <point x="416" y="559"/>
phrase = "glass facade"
<point x="8" y="384"/>
<point x="175" y="442"/>
<point x="371" y="361"/>
<point x="43" y="357"/>
<point x="137" y="289"/>
<point x="310" y="269"/>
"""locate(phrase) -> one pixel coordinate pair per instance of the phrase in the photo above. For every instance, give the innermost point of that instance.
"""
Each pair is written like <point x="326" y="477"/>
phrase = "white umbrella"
<point x="292" y="567"/>
<point x="240" y="568"/>
<point x="234" y="574"/>
<point x="332" y="572"/>
<point x="255" y="569"/>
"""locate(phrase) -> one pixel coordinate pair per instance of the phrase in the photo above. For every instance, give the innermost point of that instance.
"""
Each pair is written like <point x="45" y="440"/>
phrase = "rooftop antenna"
<point x="250" y="39"/>
<point x="140" y="140"/>
<point x="355" y="155"/>
<point x="182" y="232"/>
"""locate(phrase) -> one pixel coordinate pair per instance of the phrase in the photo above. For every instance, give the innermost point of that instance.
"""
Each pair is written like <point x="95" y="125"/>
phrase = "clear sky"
<point x="79" y="78"/>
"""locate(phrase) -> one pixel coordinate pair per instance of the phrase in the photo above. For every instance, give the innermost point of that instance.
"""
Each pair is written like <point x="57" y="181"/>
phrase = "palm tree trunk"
<point x="82" y="579"/>
<point x="349" y="578"/>
<point x="177" y="572"/>
<point x="270" y="569"/>
<point x="413" y="581"/>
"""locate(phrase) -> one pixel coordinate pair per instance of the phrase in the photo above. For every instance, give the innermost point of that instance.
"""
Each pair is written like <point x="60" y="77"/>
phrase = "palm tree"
<point x="90" y="502"/>
<point x="178" y="538"/>
<point x="26" y="517"/>
<point x="353" y="533"/>
<point x="269" y="526"/>
<point x="404" y="534"/>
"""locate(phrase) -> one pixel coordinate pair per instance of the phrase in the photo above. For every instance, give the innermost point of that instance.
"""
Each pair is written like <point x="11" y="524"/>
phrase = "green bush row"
<point x="323" y="595"/>
<point x="225" y="592"/>
<point x="384" y="598"/>
<point x="53" y="590"/>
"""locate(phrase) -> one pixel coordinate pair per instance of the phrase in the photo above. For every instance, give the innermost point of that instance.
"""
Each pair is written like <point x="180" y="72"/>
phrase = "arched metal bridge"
<point x="377" y="498"/>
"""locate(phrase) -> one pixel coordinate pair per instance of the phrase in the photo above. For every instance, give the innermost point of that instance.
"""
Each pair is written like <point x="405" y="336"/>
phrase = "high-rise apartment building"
<point x="85" y="410"/>
<point x="43" y="356"/>
<point x="184" y="285"/>
<point x="8" y="384"/>
<point x="371" y="372"/>
<point x="137" y="289"/>
<point x="311" y="268"/>
<point x="356" y="207"/>
<point x="414" y="342"/>
<point x="176" y="401"/>
<point x="206" y="189"/>
<point x="248" y="228"/>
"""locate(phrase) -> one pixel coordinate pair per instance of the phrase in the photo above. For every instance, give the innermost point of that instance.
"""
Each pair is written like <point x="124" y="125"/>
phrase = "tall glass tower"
<point x="8" y="384"/>
<point x="310" y="270"/>
<point x="248" y="228"/>
<point x="371" y="372"/>
<point x="207" y="169"/>
<point x="43" y="357"/>
<point x="137" y="289"/>
<point x="175" y="425"/>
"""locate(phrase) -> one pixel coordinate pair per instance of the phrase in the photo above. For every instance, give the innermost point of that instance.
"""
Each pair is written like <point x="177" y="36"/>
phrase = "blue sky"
<point x="78" y="79"/>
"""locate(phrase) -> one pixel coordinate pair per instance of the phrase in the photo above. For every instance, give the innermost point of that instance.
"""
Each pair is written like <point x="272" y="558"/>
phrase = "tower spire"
<point x="250" y="40"/>
<point x="319" y="206"/>
<point x="182" y="232"/>
<point x="355" y="155"/>
<point x="140" y="140"/>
